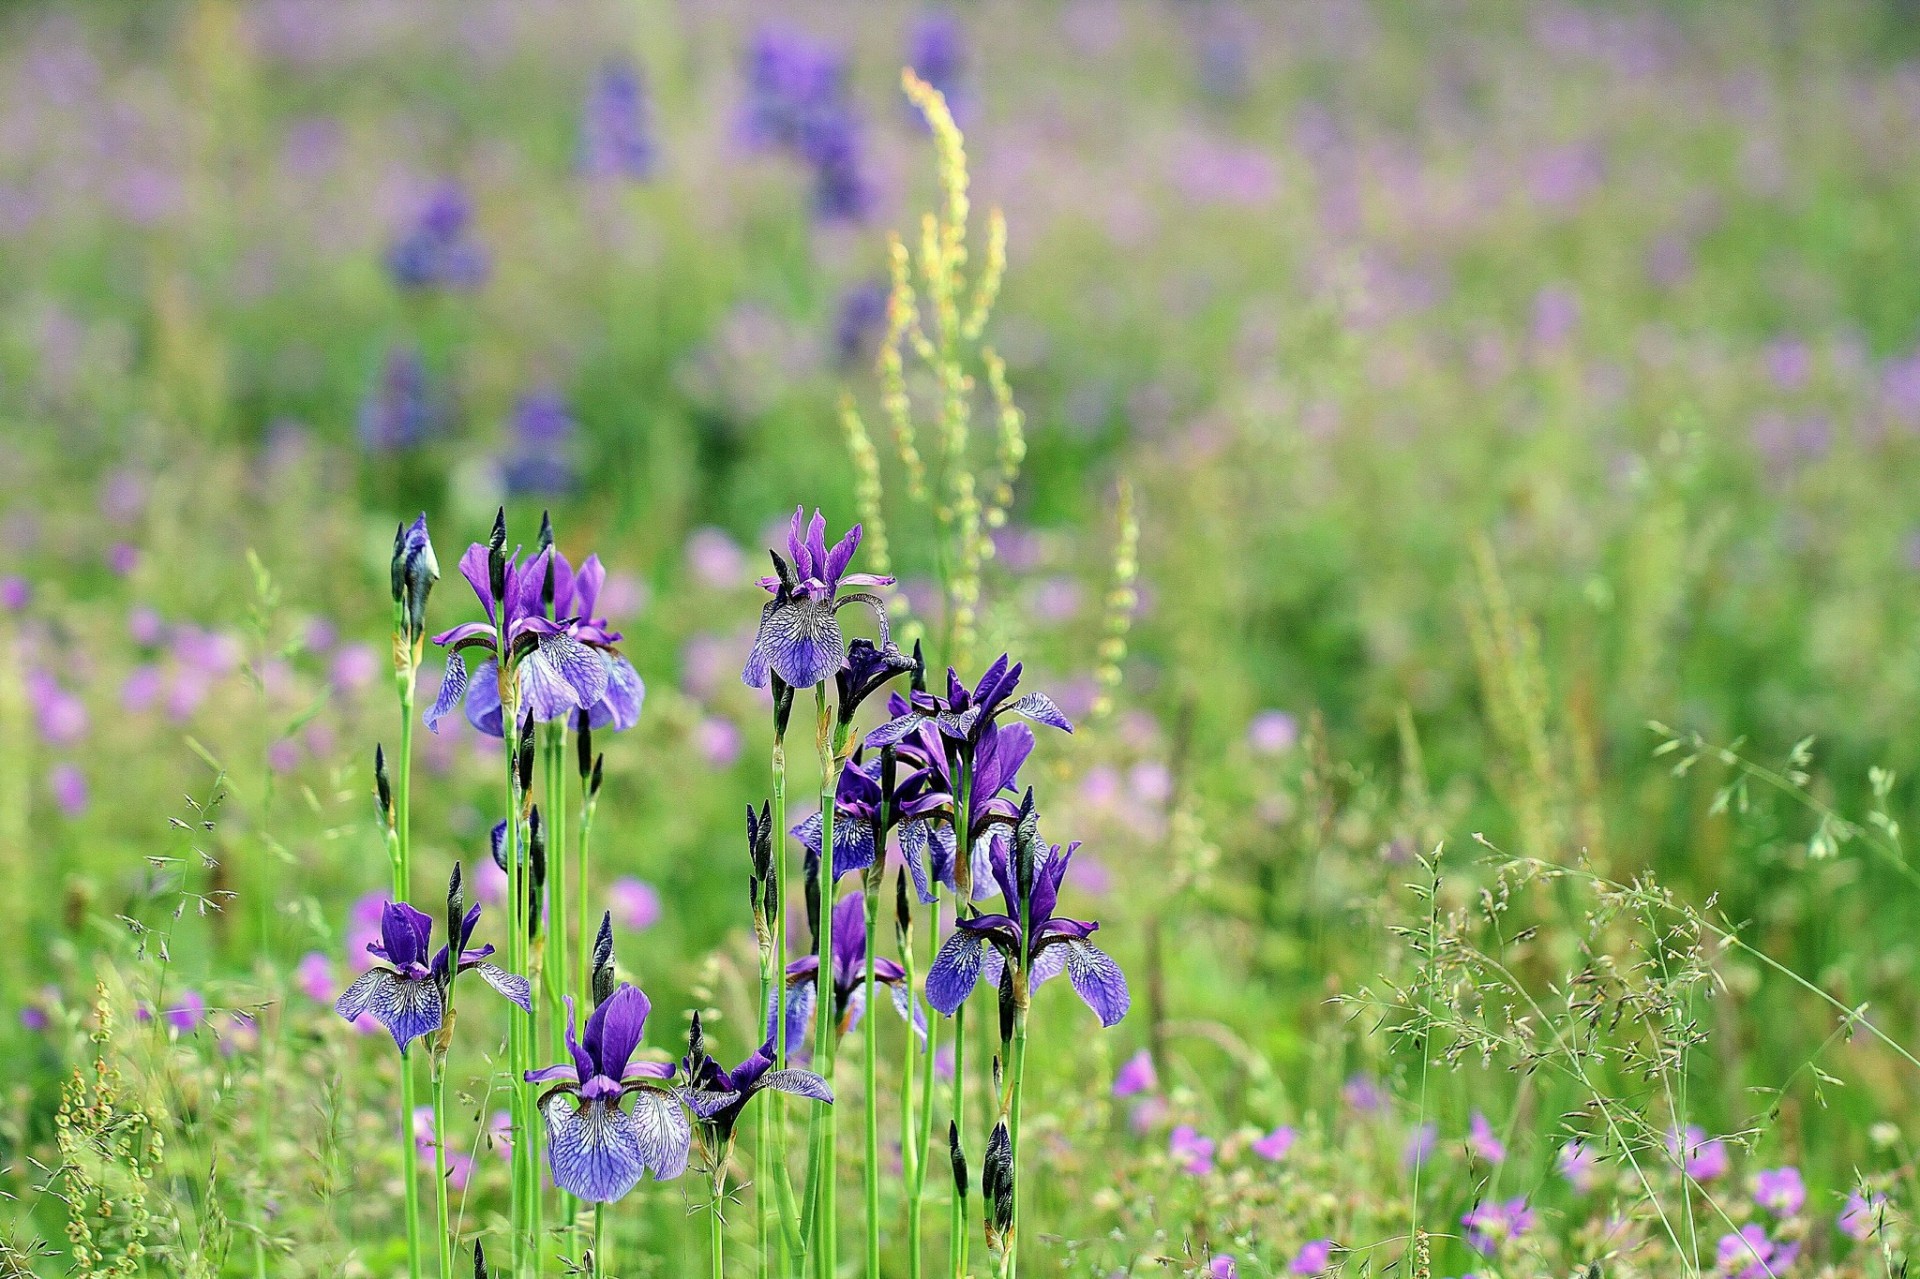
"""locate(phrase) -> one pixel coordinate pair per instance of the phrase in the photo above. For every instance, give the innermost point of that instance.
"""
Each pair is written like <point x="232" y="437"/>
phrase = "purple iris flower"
<point x="799" y="638"/>
<point x="980" y="946"/>
<point x="435" y="252"/>
<point x="859" y="322"/>
<point x="597" y="1150"/>
<point x="408" y="994"/>
<point x="856" y="820"/>
<point x="717" y="1097"/>
<point x="924" y="795"/>
<point x="562" y="656"/>
<point x="849" y="979"/>
<point x="937" y="52"/>
<point x="964" y="714"/>
<point x="616" y="129"/>
<point x="1491" y="1225"/>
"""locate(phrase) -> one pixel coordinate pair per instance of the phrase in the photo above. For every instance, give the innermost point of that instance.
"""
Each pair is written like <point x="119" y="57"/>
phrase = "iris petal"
<point x="955" y="971"/>
<point x="662" y="1131"/>
<point x="1098" y="980"/>
<point x="593" y="1147"/>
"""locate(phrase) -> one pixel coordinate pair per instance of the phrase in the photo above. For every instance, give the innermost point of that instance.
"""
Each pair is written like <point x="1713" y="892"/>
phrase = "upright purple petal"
<point x="615" y="1028"/>
<point x="406" y="934"/>
<point x="841" y="555"/>
<point x="473" y="567"/>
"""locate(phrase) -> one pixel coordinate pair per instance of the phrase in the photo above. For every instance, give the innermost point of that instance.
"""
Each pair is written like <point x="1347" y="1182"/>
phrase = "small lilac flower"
<point x="399" y="413"/>
<point x="596" y="1150"/>
<point x="141" y="689"/>
<point x="1702" y="1160"/>
<point x="1862" y="1215"/>
<point x="1492" y="1225"/>
<point x="1193" y="1152"/>
<point x="283" y="756"/>
<point x="1482" y="1140"/>
<point x="616" y="127"/>
<point x="355" y="667"/>
<point x="980" y="945"/>
<point x="122" y="559"/>
<point x="364" y="918"/>
<point x="1274" y="1146"/>
<point x="1136" y="1075"/>
<point x="1222" y="1267"/>
<point x="1149" y="1113"/>
<point x="60" y="716"/>
<point x="1579" y="1165"/>
<point x="799" y="637"/>
<point x="408" y="994"/>
<point x="849" y="979"/>
<point x="1751" y="1255"/>
<point x="1780" y="1191"/>
<point x="943" y="1063"/>
<point x="1273" y="732"/>
<point x="34" y="1018"/>
<point x="635" y="904"/>
<point x="313" y="975"/>
<point x="145" y="626"/>
<point x="69" y="787"/>
<point x="236" y="1032"/>
<point x="1312" y="1259"/>
<point x="435" y="251"/>
<point x="15" y="593"/>
<point x="540" y="434"/>
<point x="798" y="101"/>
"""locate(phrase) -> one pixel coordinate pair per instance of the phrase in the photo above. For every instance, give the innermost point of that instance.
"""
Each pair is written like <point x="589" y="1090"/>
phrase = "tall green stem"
<point x="401" y="855"/>
<point x="439" y="1077"/>
<point x="554" y="764"/>
<point x="963" y="886"/>
<point x="923" y="1140"/>
<point x="716" y="1225"/>
<point x="869" y="1069"/>
<point x="912" y="1154"/>
<point x="790" y="1219"/>
<point x="825" y="1162"/>
<point x="409" y="1170"/>
<point x="602" y="1250"/>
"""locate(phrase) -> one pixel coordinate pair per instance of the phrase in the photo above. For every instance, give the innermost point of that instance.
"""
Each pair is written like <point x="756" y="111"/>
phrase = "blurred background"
<point x="1489" y="380"/>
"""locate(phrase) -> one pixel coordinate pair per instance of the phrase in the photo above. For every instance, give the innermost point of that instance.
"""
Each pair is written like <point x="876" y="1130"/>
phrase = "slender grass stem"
<point x="409" y="1171"/>
<point x="439" y="1078"/>
<point x="957" y="1214"/>
<point x="791" y="1223"/>
<point x="825" y="1149"/>
<point x="602" y="1250"/>
<point x="921" y="1141"/>
<point x="402" y="858"/>
<point x="716" y="1224"/>
<point x="554" y="764"/>
<point x="869" y="1070"/>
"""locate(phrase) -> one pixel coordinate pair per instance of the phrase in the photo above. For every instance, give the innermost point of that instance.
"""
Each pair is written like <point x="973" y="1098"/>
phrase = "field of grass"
<point x="1456" y="464"/>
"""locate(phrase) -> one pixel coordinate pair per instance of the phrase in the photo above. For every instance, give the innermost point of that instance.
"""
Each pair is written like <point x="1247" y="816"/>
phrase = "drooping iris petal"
<point x="1098" y="979"/>
<point x="799" y="639"/>
<point x="909" y="1009"/>
<point x="619" y="707"/>
<point x="452" y="685"/>
<point x="801" y="1001"/>
<point x="512" y="985"/>
<point x="544" y="692"/>
<point x="407" y="1007"/>
<point x="798" y="1083"/>
<point x="955" y="971"/>
<point x="852" y="841"/>
<point x="593" y="1148"/>
<point x="1040" y="708"/>
<point x="662" y="1132"/>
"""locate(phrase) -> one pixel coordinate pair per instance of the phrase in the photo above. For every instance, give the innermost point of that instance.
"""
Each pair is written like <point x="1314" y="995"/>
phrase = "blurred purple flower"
<point x="541" y="434"/>
<point x="616" y="127"/>
<point x="715" y="560"/>
<point x="1490" y="1225"/>
<point x="355" y="667"/>
<point x="1789" y="363"/>
<point x="313" y="975"/>
<point x="141" y="689"/>
<point x="69" y="787"/>
<point x="34" y="1018"/>
<point x="1312" y="1259"/>
<point x="145" y="626"/>
<point x="1275" y="1145"/>
<point x="1420" y="1144"/>
<point x="859" y="322"/>
<point x="1136" y="1075"/>
<point x="1751" y="1255"/>
<point x="635" y="904"/>
<point x="1780" y="1190"/>
<point x="188" y="1010"/>
<point x="399" y="412"/>
<point x="122" y="559"/>
<point x="1862" y="1215"/>
<point x="1148" y="1113"/>
<point x="1556" y="311"/>
<point x="283" y="756"/>
<point x="1482" y="1140"/>
<point x="937" y="52"/>
<point x="363" y="928"/>
<point x="123" y="497"/>
<point x="60" y="716"/>
<point x="798" y="101"/>
<point x="435" y="251"/>
<point x="15" y="593"/>
<point x="236" y="1032"/>
<point x="943" y="1062"/>
<point x="718" y="742"/>
<point x="1362" y="1093"/>
<point x="1193" y="1152"/>
<point x="1273" y="732"/>
<point x="1579" y="1165"/>
<point x="1222" y="1267"/>
<point x="1703" y="1160"/>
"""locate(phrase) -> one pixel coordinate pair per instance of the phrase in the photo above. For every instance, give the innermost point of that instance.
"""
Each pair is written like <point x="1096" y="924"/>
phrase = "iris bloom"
<point x="718" y="1097"/>
<point x="849" y="979"/>
<point x="597" y="1150"/>
<point x="926" y="792"/>
<point x="856" y="819"/>
<point x="436" y="251"/>
<point x="981" y="945"/>
<point x="407" y="993"/>
<point x="562" y="656"/>
<point x="799" y="638"/>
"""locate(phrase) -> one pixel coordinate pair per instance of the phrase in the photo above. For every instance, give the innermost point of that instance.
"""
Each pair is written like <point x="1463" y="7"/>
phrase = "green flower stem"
<point x="1016" y="1072"/>
<point x="522" y="1118"/>
<point x="602" y="1250"/>
<point x="554" y="764"/>
<point x="791" y="1222"/>
<point x="763" y="1141"/>
<point x="869" y="1064"/>
<point x="963" y="880"/>
<point x="821" y="1160"/>
<point x="400" y="853"/>
<point x="584" y="991"/>
<point x="439" y="1077"/>
<point x="716" y="1225"/>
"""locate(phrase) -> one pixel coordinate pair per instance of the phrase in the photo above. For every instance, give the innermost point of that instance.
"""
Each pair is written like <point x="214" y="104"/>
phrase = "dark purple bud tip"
<point x="997" y="1179"/>
<point x="902" y="908"/>
<point x="599" y="774"/>
<point x="479" y="1261"/>
<point x="545" y="539"/>
<point x="958" y="1157"/>
<point x="603" y="961"/>
<point x="382" y="787"/>
<point x="583" y="745"/>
